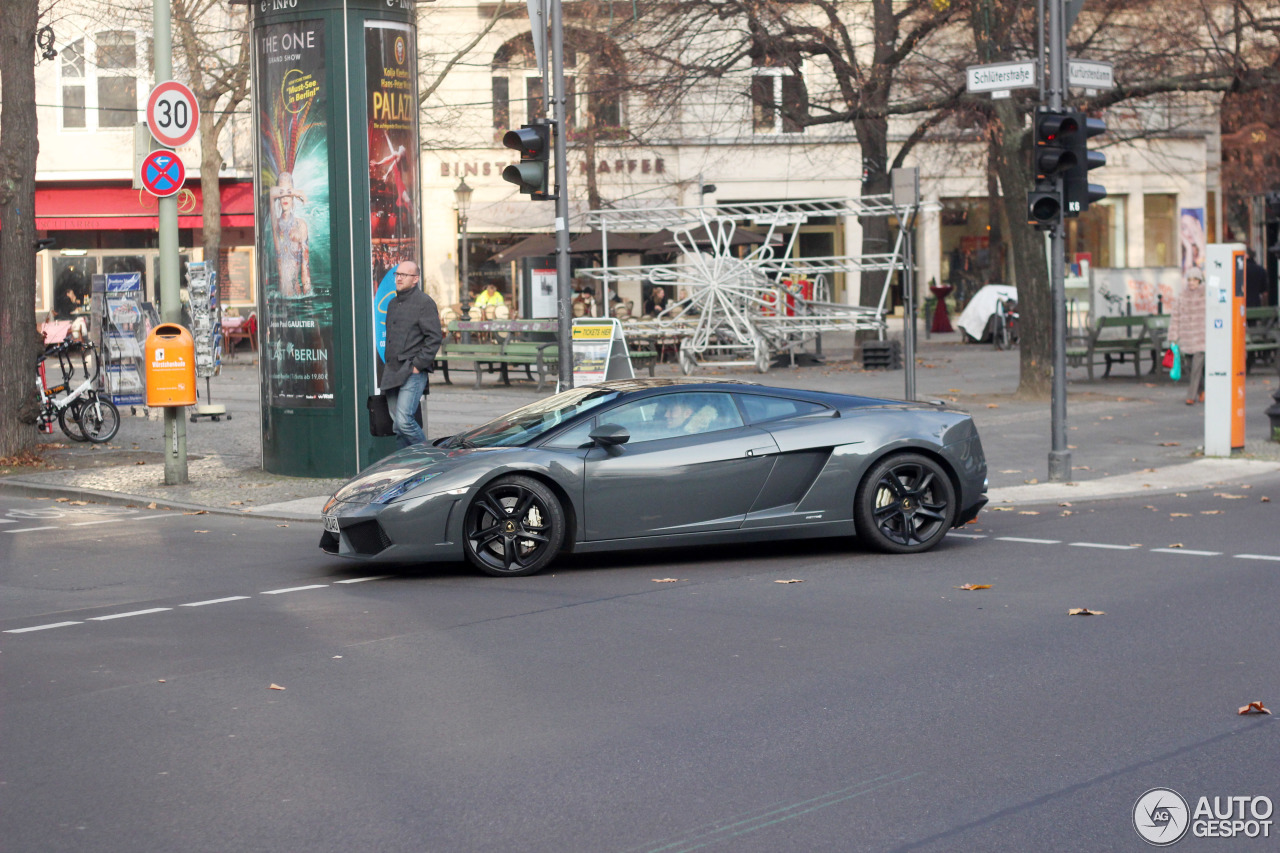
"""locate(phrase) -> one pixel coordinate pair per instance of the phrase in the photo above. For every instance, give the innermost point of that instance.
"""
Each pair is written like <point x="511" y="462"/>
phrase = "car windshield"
<point x="532" y="421"/>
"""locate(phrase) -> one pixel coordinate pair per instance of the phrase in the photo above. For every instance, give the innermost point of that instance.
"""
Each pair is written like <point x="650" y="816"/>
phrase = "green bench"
<point x="1262" y="334"/>
<point x="508" y="345"/>
<point x="1115" y="340"/>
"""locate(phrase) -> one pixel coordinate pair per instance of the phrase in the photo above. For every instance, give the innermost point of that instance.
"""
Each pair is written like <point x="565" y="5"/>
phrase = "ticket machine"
<point x="1224" y="336"/>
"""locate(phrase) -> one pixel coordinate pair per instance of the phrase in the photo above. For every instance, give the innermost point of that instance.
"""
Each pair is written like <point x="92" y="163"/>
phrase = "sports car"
<point x="665" y="462"/>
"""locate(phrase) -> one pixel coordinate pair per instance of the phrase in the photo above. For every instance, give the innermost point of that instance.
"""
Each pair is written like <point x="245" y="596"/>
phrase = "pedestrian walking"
<point x="413" y="338"/>
<point x="1187" y="329"/>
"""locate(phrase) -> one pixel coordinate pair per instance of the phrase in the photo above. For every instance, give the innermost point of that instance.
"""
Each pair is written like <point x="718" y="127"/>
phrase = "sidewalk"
<point x="1126" y="435"/>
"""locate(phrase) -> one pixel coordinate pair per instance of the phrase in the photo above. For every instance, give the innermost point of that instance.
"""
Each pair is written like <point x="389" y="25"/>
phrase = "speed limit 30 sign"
<point x="172" y="114"/>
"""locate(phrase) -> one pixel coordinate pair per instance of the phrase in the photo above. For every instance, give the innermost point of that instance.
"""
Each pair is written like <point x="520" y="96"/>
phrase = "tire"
<point x="513" y="528"/>
<point x="69" y="420"/>
<point x="905" y="504"/>
<point x="1000" y="334"/>
<point x="99" y="419"/>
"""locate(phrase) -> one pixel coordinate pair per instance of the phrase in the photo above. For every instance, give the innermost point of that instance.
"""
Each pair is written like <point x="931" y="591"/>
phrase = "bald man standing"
<point x="413" y="338"/>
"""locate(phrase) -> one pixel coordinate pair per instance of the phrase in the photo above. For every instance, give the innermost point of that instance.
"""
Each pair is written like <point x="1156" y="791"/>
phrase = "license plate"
<point x="331" y="524"/>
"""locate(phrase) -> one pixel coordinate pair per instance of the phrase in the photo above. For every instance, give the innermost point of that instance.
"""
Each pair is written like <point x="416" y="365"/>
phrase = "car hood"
<point x="400" y="466"/>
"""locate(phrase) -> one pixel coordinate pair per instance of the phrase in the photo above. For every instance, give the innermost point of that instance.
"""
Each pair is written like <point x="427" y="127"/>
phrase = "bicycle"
<point x="82" y="414"/>
<point x="1004" y="330"/>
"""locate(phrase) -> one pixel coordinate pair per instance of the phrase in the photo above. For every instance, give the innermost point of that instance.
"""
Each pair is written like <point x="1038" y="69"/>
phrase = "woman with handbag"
<point x="1187" y="330"/>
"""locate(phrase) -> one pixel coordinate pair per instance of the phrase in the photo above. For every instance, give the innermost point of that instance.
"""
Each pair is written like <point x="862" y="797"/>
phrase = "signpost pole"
<point x="175" y="427"/>
<point x="1059" y="455"/>
<point x="562" y="199"/>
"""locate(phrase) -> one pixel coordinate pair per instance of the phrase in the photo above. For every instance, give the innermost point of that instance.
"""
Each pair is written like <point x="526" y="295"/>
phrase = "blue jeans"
<point x="402" y="402"/>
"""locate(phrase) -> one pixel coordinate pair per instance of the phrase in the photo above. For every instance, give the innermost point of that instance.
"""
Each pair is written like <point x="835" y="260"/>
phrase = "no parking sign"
<point x="162" y="173"/>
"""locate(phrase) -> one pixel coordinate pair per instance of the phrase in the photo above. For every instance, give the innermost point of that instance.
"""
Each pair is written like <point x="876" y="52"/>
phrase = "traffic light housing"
<point x="1077" y="192"/>
<point x="533" y="141"/>
<point x="1052" y="157"/>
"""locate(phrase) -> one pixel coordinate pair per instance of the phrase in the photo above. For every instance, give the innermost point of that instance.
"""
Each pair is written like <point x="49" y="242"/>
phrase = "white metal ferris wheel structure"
<point x="748" y="310"/>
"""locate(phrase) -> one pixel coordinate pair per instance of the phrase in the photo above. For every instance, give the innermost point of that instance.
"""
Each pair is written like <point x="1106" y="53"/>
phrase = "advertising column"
<point x="1224" y="355"/>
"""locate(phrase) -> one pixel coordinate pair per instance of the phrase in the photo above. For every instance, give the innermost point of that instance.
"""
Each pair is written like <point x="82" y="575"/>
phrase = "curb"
<point x="25" y="488"/>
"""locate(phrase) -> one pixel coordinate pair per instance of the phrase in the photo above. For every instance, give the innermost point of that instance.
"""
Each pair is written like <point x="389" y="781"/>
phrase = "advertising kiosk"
<point x="1224" y="357"/>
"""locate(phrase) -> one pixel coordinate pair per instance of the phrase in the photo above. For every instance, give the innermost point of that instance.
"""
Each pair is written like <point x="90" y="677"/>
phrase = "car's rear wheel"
<point x="514" y="527"/>
<point x="905" y="504"/>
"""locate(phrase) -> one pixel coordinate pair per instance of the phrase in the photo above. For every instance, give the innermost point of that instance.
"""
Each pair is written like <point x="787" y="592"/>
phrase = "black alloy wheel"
<point x="905" y="504"/>
<point x="514" y="527"/>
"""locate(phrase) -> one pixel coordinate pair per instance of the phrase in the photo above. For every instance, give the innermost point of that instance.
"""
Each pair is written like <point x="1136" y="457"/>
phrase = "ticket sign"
<point x="599" y="351"/>
<point x="1224" y="357"/>
<point x="172" y="113"/>
<point x="162" y="173"/>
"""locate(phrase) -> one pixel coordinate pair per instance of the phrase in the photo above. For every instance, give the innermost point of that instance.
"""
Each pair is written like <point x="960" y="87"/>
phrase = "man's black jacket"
<point x="413" y="336"/>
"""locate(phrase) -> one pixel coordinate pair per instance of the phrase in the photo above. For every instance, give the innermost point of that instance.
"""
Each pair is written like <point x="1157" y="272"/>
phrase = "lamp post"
<point x="462" y="193"/>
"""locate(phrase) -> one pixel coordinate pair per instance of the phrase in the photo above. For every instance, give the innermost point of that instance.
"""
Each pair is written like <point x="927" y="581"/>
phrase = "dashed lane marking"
<point x="1030" y="541"/>
<point x="1257" y="557"/>
<point x="29" y="529"/>
<point x="1186" y="551"/>
<point x="294" y="589"/>
<point x="362" y="580"/>
<point x="41" y="627"/>
<point x="967" y="535"/>
<point x="215" y="601"/>
<point x="1102" y="545"/>
<point x="127" y="615"/>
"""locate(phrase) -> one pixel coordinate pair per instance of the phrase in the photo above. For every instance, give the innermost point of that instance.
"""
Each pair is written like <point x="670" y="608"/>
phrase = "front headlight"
<point x="403" y="486"/>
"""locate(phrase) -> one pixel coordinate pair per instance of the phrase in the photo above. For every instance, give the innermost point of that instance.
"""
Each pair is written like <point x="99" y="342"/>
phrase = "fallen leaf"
<point x="275" y="687"/>
<point x="77" y="503"/>
<point x="162" y="681"/>
<point x="1179" y="515"/>
<point x="999" y="509"/>
<point x="1107" y="418"/>
<point x="141" y="462"/>
<point x="953" y="390"/>
<point x="665" y="580"/>
<point x="1229" y="497"/>
<point x="1027" y="512"/>
<point x="1011" y="471"/>
<point x="235" y="503"/>
<point x="1246" y="487"/>
<point x="1179" y="494"/>
<point x="1170" y="444"/>
<point x="1067" y="512"/>
<point x="993" y="405"/>
<point x="1253" y="708"/>
<point x="1084" y="468"/>
<point x="1175" y="545"/>
<point x="1064" y="503"/>
<point x="62" y="500"/>
<point x="197" y="512"/>
<point x="1212" y="511"/>
<point x="792" y="580"/>
<point x="151" y="505"/>
<point x="973" y="586"/>
<point x="1032" y="481"/>
<point x="1149" y="507"/>
<point x="1148" y="470"/>
<point x="199" y="531"/>
<point x="282" y="525"/>
<point x="1264" y="499"/>
<point x="1135" y="544"/>
<point x="1084" y="611"/>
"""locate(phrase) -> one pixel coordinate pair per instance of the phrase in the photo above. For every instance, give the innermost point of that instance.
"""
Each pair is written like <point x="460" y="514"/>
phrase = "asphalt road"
<point x="873" y="706"/>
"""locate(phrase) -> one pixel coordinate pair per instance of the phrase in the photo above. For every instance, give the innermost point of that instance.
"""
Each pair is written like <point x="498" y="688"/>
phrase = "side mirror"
<point x="610" y="435"/>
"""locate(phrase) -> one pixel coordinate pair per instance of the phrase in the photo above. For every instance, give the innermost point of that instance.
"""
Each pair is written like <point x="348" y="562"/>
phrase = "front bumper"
<point x="420" y="529"/>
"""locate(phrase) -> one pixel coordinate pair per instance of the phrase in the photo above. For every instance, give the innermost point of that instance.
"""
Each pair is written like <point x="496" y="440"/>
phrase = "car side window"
<point x="574" y="437"/>
<point x="760" y="408"/>
<point x="673" y="415"/>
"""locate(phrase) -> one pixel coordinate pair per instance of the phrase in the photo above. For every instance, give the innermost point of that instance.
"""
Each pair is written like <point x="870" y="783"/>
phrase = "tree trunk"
<point x="211" y="201"/>
<point x="18" y="149"/>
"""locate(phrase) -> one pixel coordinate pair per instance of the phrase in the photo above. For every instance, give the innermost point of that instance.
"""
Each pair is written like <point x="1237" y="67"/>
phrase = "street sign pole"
<point x="175" y="427"/>
<point x="1059" y="455"/>
<point x="562" y="200"/>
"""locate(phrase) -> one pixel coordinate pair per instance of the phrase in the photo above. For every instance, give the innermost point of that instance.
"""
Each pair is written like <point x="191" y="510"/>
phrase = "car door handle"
<point x="761" y="451"/>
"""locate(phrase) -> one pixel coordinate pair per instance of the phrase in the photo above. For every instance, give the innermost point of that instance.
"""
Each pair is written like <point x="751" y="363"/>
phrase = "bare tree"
<point x="18" y="150"/>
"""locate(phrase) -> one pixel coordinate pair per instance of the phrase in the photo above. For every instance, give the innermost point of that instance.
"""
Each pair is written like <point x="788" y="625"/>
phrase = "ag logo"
<point x="1161" y="816"/>
<point x="159" y="354"/>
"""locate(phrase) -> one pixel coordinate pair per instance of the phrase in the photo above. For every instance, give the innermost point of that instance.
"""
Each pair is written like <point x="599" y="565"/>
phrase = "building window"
<point x="591" y="83"/>
<point x="117" y="61"/>
<point x="1160" y="230"/>
<point x="72" y="65"/>
<point x="1098" y="234"/>
<point x="778" y="96"/>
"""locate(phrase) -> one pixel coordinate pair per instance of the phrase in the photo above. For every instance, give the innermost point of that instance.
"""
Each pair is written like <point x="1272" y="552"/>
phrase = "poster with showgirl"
<point x="394" y="193"/>
<point x="295" y="261"/>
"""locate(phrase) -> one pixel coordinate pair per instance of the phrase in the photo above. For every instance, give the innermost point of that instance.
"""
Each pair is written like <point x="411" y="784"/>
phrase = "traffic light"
<point x="1077" y="192"/>
<point x="1052" y="157"/>
<point x="533" y="141"/>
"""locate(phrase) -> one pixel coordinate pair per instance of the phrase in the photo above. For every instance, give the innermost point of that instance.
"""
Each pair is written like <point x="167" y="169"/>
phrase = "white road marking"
<point x="8" y="521"/>
<point x="1257" y="557"/>
<point x="1030" y="541"/>
<point x="131" y="613"/>
<point x="1102" y="545"/>
<point x="125" y="518"/>
<point x="967" y="535"/>
<point x="29" y="529"/>
<point x="1186" y="551"/>
<point x="40" y="627"/>
<point x="294" y="589"/>
<point x="215" y="601"/>
<point x="362" y="580"/>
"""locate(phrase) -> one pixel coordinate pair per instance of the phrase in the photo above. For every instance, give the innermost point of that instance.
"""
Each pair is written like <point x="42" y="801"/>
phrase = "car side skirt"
<point x="718" y="537"/>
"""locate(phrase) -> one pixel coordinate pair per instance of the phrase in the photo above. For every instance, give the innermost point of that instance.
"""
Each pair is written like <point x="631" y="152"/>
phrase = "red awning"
<point x="95" y="207"/>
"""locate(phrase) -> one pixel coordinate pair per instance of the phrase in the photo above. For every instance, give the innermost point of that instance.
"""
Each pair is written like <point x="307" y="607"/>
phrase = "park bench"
<point x="529" y="344"/>
<point x="1262" y="334"/>
<point x="1114" y="340"/>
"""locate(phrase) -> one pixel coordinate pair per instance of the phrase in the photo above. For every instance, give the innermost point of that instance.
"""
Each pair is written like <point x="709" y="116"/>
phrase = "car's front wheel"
<point x="905" y="504"/>
<point x="514" y="527"/>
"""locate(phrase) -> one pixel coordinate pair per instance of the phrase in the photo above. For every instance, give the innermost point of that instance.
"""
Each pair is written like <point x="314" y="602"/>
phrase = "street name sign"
<point x="1000" y="77"/>
<point x="1086" y="74"/>
<point x="162" y="173"/>
<point x="172" y="113"/>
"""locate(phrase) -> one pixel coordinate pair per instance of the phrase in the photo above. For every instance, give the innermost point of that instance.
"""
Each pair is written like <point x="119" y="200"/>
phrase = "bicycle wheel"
<point x="69" y="420"/>
<point x="100" y="420"/>
<point x="1000" y="334"/>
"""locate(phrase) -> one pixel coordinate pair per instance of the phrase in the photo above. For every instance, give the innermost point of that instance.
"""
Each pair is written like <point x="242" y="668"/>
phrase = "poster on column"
<point x="295" y="261"/>
<point x="394" y="194"/>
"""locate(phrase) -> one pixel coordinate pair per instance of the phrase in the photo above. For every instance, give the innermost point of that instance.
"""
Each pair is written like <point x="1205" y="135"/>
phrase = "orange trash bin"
<point x="170" y="362"/>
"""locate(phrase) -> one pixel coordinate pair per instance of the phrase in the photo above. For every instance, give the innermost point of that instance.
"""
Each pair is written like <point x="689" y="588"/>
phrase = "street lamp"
<point x="462" y="193"/>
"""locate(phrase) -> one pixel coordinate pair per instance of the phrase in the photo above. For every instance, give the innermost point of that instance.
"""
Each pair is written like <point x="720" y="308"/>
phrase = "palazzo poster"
<point x="394" y="189"/>
<point x="296" y="264"/>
